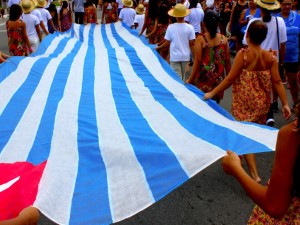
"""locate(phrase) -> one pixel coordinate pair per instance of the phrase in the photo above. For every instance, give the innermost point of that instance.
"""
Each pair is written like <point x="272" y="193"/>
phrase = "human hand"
<point x="208" y="95"/>
<point x="231" y="163"/>
<point x="3" y="57"/>
<point x="30" y="215"/>
<point x="286" y="111"/>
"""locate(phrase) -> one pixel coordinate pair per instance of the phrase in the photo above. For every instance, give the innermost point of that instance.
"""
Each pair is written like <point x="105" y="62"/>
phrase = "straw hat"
<point x="140" y="9"/>
<point x="268" y="4"/>
<point x="128" y="3"/>
<point x="179" y="10"/>
<point x="27" y="5"/>
<point x="41" y="3"/>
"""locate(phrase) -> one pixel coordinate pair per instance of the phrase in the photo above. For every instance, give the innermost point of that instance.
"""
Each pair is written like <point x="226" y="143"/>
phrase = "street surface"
<point x="209" y="198"/>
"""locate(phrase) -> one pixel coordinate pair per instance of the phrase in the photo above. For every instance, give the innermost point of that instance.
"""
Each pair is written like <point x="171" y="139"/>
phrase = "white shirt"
<point x="187" y="5"/>
<point x="31" y="21"/>
<point x="120" y="6"/>
<point x="11" y="2"/>
<point x="139" y="19"/>
<point x="271" y="39"/>
<point x="45" y="15"/>
<point x="48" y="3"/>
<point x="179" y="34"/>
<point x="195" y="18"/>
<point x="78" y="5"/>
<point x="127" y="15"/>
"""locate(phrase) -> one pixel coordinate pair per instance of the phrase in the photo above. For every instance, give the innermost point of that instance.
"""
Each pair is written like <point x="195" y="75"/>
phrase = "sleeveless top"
<point x="251" y="94"/>
<point x="16" y="42"/>
<point x="110" y="12"/>
<point x="292" y="216"/>
<point x="89" y="14"/>
<point x="212" y="67"/>
<point x="66" y="21"/>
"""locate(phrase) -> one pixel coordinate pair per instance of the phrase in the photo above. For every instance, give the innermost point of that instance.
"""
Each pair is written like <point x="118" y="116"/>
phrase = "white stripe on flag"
<point x="60" y="173"/>
<point x="24" y="135"/>
<point x="190" y="151"/>
<point x="114" y="145"/>
<point x="180" y="92"/>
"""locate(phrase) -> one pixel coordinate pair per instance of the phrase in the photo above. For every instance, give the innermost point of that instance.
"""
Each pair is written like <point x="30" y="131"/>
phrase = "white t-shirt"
<point x="271" y="39"/>
<point x="187" y="5"/>
<point x="48" y="3"/>
<point x="11" y="2"/>
<point x="195" y="18"/>
<point x="179" y="34"/>
<point x="127" y="15"/>
<point x="139" y="19"/>
<point x="31" y="21"/>
<point x="45" y="15"/>
<point x="120" y="6"/>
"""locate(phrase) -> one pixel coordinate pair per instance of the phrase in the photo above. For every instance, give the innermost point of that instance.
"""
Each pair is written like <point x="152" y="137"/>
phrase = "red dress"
<point x="16" y="43"/>
<point x="66" y="21"/>
<point x="212" y="68"/>
<point x="110" y="12"/>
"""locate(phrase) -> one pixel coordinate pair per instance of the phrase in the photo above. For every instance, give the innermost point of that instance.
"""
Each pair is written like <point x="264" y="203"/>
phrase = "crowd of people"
<point x="265" y="36"/>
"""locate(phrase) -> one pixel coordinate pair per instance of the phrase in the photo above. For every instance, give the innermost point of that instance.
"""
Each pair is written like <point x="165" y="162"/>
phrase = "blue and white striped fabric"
<point x="118" y="128"/>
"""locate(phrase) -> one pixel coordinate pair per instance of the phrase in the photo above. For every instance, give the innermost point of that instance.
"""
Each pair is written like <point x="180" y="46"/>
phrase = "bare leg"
<point x="251" y="163"/>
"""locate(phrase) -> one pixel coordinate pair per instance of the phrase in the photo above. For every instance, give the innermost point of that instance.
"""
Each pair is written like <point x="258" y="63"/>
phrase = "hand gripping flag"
<point x="118" y="128"/>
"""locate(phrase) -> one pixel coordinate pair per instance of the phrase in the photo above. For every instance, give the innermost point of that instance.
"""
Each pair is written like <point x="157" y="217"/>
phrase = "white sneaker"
<point x="270" y="122"/>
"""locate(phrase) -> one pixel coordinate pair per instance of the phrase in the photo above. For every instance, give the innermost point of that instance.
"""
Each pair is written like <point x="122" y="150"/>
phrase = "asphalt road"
<point x="209" y="198"/>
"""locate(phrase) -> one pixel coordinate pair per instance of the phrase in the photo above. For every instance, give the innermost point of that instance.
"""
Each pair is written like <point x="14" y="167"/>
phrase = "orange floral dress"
<point x="292" y="217"/>
<point x="16" y="42"/>
<point x="90" y="14"/>
<point x="251" y="95"/>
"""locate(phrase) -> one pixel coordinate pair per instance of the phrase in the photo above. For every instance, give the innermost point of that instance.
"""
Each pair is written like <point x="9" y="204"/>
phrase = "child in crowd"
<point x="180" y="36"/>
<point x="110" y="11"/>
<point x="253" y="73"/>
<point x="127" y="14"/>
<point x="65" y="17"/>
<point x="32" y="24"/>
<point x="47" y="18"/>
<point x="139" y="18"/>
<point x="53" y="12"/>
<point x="18" y="42"/>
<point x="90" y="13"/>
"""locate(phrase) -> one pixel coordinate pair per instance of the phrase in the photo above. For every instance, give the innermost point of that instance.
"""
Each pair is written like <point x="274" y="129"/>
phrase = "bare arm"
<point x="154" y="29"/>
<point x="280" y="90"/>
<point x="275" y="198"/>
<point x="43" y="27"/>
<point x="227" y="57"/>
<point x="242" y="20"/>
<point x="26" y="38"/>
<point x="145" y="23"/>
<point x="197" y="60"/>
<point x="282" y="52"/>
<point x="234" y="73"/>
<point x="37" y="27"/>
<point x="165" y="44"/>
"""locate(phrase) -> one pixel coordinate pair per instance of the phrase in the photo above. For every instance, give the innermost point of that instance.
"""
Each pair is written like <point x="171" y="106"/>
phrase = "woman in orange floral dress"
<point x="254" y="72"/>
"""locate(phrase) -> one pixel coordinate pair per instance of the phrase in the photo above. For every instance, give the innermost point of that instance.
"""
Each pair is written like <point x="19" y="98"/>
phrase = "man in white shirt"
<point x="78" y="9"/>
<point x="127" y="14"/>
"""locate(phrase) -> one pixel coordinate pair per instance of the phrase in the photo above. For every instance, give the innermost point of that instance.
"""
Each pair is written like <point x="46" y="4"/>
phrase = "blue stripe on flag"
<point x="41" y="146"/>
<point x="89" y="184"/>
<point x="225" y="138"/>
<point x="149" y="149"/>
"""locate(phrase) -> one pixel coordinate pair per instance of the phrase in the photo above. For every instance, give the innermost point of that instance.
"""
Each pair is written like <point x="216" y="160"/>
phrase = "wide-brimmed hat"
<point x="41" y="3"/>
<point x="179" y="10"/>
<point x="140" y="9"/>
<point x="268" y="4"/>
<point x="128" y="3"/>
<point x="27" y="5"/>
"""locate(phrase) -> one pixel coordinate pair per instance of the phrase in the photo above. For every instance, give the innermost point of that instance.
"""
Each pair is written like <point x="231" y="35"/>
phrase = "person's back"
<point x="127" y="15"/>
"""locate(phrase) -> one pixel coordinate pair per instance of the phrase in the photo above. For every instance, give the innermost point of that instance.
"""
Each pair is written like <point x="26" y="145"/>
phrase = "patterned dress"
<point x="212" y="68"/>
<point x="16" y="43"/>
<point x="66" y="21"/>
<point x="90" y="15"/>
<point x="251" y="95"/>
<point x="292" y="217"/>
<point x="110" y="11"/>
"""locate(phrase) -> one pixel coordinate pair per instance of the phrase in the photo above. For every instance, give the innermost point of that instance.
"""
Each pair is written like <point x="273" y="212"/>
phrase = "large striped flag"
<point x="105" y="128"/>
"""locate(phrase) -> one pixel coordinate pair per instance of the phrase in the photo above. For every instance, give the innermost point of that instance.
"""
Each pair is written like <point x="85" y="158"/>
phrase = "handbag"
<point x="280" y="66"/>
